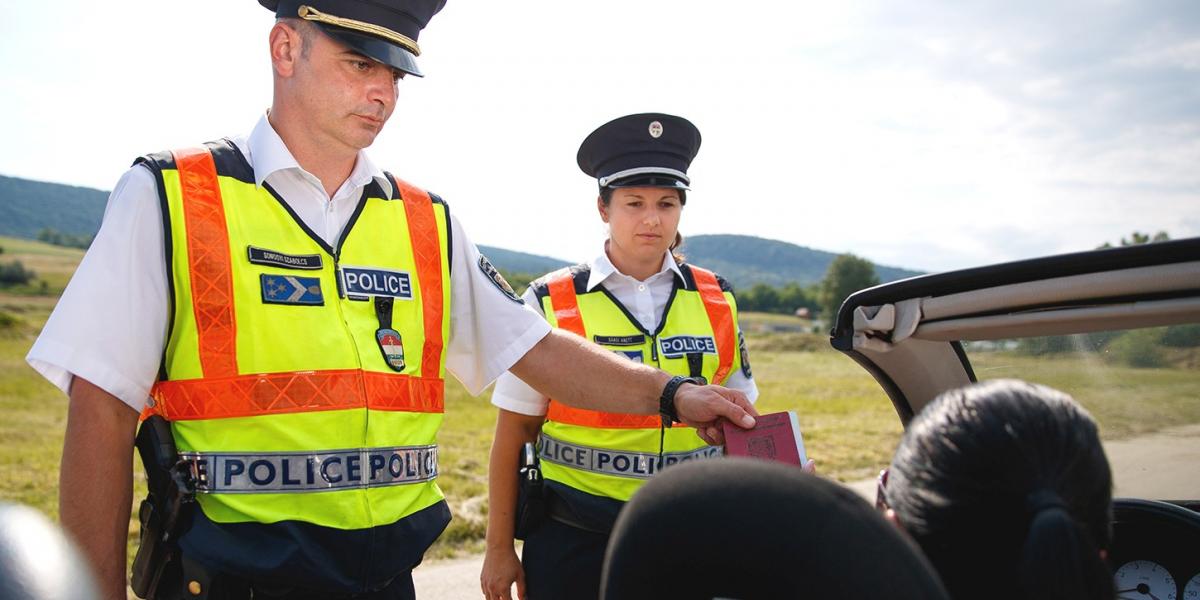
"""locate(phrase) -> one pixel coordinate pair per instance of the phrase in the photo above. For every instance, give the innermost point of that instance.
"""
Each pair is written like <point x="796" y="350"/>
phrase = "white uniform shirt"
<point x="644" y="300"/>
<point x="110" y="324"/>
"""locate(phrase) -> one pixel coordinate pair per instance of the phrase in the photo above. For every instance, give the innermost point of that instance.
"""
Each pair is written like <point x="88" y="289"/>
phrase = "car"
<point x="1117" y="328"/>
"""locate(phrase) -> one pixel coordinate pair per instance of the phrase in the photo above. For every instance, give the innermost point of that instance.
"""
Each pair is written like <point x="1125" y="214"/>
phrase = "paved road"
<point x="1163" y="465"/>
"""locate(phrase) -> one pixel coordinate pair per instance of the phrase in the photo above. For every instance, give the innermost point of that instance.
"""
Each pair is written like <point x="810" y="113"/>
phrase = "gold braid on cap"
<point x="309" y="13"/>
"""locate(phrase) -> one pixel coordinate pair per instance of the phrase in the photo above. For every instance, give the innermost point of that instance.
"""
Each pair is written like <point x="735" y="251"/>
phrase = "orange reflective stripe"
<point x="720" y="317"/>
<point x="294" y="392"/>
<point x="427" y="253"/>
<point x="566" y="304"/>
<point x="209" y="266"/>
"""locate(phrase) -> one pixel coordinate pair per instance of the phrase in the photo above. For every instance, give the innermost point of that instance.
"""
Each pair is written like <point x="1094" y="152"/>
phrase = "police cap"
<point x="644" y="150"/>
<point x="385" y="30"/>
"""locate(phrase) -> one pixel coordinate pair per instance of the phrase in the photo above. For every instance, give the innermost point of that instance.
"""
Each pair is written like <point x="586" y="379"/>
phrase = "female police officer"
<point x="643" y="302"/>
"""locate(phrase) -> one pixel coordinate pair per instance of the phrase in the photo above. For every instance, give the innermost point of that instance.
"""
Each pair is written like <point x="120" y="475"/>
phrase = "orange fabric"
<point x="209" y="261"/>
<point x="720" y="316"/>
<point x="302" y="391"/>
<point x="566" y="311"/>
<point x="427" y="253"/>
<point x="566" y="305"/>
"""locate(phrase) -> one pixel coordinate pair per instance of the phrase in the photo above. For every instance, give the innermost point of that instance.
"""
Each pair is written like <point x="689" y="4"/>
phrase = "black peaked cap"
<point x="385" y="30"/>
<point x="649" y="149"/>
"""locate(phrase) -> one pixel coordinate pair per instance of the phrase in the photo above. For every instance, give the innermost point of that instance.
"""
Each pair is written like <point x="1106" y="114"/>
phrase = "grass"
<point x="849" y="424"/>
<point x="52" y="264"/>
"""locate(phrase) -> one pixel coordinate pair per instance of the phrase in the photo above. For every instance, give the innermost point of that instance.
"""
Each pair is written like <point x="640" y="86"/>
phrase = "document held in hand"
<point x="775" y="436"/>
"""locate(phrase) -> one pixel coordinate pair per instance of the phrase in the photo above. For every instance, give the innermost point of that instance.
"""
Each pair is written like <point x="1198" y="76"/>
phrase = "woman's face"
<point x="642" y="221"/>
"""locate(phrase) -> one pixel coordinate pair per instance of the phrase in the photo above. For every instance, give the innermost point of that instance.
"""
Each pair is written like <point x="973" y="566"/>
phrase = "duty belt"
<point x="638" y="465"/>
<point x="273" y="472"/>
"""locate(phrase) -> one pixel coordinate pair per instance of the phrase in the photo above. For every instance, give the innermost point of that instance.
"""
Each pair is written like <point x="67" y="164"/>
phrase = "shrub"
<point x="1141" y="348"/>
<point x="15" y="273"/>
<point x="1182" y="336"/>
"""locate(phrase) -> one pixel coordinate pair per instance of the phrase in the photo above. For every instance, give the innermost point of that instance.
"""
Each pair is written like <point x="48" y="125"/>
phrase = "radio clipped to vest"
<point x="170" y="489"/>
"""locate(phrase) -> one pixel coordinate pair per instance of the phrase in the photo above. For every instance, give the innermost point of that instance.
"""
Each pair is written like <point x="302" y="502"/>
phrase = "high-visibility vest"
<point x="309" y="420"/>
<point x="610" y="455"/>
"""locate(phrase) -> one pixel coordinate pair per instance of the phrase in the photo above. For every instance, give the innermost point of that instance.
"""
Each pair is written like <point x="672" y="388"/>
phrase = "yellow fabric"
<point x="602" y="318"/>
<point x="276" y="338"/>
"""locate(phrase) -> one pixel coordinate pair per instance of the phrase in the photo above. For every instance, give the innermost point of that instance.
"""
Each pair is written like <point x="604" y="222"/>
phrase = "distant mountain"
<point x="512" y="261"/>
<point x="746" y="260"/>
<point x="27" y="206"/>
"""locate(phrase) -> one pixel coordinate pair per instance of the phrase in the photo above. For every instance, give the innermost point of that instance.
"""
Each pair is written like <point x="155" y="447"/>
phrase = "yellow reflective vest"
<point x="596" y="460"/>
<point x="303" y="382"/>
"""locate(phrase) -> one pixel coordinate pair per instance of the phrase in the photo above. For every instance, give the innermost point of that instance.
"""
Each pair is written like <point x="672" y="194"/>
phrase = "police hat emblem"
<point x="621" y="154"/>
<point x="392" y="347"/>
<point x="385" y="30"/>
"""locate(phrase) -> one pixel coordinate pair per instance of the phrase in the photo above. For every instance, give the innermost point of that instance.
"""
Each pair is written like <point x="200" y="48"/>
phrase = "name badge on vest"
<point x="262" y="256"/>
<point x="392" y="347"/>
<point x="288" y="289"/>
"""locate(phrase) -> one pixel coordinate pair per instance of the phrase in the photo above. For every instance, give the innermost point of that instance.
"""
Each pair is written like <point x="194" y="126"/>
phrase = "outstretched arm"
<point x="567" y="368"/>
<point x="96" y="481"/>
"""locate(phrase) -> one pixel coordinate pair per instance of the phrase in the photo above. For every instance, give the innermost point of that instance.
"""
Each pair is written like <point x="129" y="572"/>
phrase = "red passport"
<point x="775" y="436"/>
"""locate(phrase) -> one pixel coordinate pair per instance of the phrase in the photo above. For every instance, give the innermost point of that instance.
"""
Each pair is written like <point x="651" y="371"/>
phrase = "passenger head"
<point x="749" y="529"/>
<point x="1005" y="486"/>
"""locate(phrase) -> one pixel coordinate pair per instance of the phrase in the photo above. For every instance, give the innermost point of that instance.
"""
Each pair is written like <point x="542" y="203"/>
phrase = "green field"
<point x="849" y="425"/>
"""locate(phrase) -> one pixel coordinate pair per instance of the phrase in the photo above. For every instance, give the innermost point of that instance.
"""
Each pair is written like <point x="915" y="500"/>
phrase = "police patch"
<point x="492" y="273"/>
<point x="745" y="355"/>
<point x="363" y="283"/>
<point x="680" y="345"/>
<point x="634" y="355"/>
<point x="287" y="289"/>
<point x="392" y="347"/>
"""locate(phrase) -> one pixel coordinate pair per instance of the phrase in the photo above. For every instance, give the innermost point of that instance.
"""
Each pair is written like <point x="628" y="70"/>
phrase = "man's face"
<point x="346" y="97"/>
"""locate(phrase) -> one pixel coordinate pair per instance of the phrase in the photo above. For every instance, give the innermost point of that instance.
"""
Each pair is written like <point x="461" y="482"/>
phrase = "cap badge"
<point x="656" y="130"/>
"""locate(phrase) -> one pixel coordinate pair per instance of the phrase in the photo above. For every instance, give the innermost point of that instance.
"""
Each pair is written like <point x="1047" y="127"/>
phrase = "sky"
<point x="920" y="134"/>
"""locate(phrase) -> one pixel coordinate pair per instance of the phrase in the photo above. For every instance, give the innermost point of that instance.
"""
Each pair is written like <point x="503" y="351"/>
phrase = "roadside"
<point x="1160" y="465"/>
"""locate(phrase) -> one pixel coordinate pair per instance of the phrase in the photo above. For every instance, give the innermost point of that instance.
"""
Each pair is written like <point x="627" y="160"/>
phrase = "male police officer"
<point x="297" y="333"/>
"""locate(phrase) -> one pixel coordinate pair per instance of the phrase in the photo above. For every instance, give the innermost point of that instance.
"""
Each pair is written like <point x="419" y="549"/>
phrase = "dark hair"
<point x="1005" y="486"/>
<point x="606" y="194"/>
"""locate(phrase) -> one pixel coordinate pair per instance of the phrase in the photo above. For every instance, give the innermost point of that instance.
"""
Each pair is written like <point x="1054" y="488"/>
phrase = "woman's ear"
<point x="603" y="210"/>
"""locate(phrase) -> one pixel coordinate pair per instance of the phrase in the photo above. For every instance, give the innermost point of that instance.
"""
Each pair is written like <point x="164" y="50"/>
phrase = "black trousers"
<point x="563" y="562"/>
<point x="222" y="587"/>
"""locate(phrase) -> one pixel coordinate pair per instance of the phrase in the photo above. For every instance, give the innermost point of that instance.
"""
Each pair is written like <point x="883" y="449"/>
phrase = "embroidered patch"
<point x="620" y="340"/>
<point x="677" y="346"/>
<point x="745" y="355"/>
<point x="287" y="289"/>
<point x="363" y="283"/>
<point x="262" y="256"/>
<point x="634" y="355"/>
<point x="392" y="348"/>
<point x="492" y="273"/>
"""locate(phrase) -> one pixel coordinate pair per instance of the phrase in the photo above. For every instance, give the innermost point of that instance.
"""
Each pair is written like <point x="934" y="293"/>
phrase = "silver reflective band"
<point x="645" y="171"/>
<point x="269" y="472"/>
<point x="638" y="465"/>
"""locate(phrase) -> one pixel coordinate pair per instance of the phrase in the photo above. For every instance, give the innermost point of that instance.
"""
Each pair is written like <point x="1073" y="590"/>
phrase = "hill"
<point x="27" y="206"/>
<point x="746" y="260"/>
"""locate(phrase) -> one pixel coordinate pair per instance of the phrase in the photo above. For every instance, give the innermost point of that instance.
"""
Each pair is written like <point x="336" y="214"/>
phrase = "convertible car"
<point x="1118" y="329"/>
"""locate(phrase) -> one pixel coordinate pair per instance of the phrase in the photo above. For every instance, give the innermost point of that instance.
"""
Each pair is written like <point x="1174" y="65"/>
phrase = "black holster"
<point x="169" y="487"/>
<point x="531" y="499"/>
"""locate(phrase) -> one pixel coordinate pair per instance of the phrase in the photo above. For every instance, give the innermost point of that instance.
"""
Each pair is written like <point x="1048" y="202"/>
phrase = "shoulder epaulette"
<point x="579" y="274"/>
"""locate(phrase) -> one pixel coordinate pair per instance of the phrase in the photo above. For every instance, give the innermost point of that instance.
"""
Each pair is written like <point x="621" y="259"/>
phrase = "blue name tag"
<point x="288" y="289"/>
<point x="361" y="283"/>
<point x="675" y="347"/>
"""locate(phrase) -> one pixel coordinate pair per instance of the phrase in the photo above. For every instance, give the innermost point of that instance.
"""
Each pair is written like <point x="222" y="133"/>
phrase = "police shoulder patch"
<point x="498" y="280"/>
<point x="745" y="355"/>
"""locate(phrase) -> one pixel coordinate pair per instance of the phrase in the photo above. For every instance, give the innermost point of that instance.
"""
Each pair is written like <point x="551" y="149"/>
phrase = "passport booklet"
<point x="776" y="436"/>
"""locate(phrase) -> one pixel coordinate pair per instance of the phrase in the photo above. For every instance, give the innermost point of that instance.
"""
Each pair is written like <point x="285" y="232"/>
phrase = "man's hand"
<point x="704" y="407"/>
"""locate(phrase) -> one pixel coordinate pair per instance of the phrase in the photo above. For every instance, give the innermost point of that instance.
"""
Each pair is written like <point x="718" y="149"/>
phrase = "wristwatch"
<point x="666" y="402"/>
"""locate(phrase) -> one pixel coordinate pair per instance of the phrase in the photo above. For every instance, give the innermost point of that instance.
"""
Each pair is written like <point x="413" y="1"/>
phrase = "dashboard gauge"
<point x="1191" y="591"/>
<point x="1145" y="580"/>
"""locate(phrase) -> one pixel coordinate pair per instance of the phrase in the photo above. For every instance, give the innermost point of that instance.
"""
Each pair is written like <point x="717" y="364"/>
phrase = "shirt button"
<point x="641" y="288"/>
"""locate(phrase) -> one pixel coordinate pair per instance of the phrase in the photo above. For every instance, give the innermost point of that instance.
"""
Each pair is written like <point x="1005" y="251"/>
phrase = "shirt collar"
<point x="602" y="268"/>
<point x="269" y="154"/>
